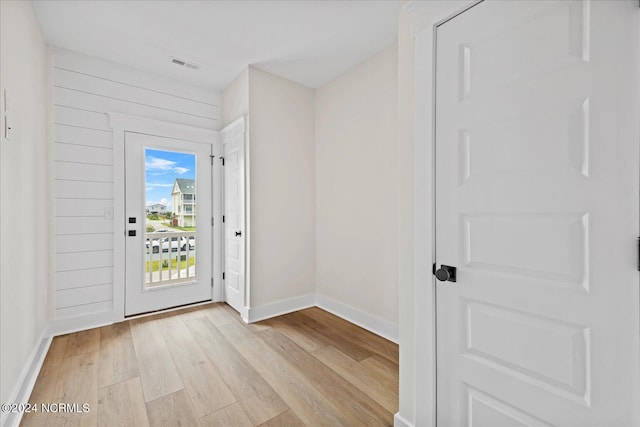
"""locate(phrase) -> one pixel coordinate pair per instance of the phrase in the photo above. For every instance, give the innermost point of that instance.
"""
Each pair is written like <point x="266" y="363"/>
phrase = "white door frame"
<point x="121" y="123"/>
<point x="425" y="17"/>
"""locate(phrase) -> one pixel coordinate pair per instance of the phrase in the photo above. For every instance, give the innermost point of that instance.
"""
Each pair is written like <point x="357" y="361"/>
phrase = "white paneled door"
<point x="234" y="212"/>
<point x="537" y="208"/>
<point x="168" y="225"/>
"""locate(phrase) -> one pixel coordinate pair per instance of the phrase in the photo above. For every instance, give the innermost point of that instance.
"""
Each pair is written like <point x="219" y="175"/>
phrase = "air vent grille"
<point x="183" y="63"/>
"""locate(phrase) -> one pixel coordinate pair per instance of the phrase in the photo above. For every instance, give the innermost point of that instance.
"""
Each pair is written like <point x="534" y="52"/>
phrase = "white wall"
<point x="282" y="189"/>
<point x="86" y="88"/>
<point x="323" y="211"/>
<point x="25" y="193"/>
<point x="235" y="98"/>
<point x="356" y="184"/>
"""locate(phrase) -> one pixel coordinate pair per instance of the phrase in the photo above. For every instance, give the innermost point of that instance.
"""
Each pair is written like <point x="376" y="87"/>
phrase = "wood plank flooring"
<point x="203" y="366"/>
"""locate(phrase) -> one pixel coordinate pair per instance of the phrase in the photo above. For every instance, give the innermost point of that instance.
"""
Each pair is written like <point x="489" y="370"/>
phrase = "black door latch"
<point x="445" y="273"/>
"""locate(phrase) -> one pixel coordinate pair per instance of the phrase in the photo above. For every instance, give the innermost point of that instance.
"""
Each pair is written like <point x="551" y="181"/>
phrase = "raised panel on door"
<point x="537" y="206"/>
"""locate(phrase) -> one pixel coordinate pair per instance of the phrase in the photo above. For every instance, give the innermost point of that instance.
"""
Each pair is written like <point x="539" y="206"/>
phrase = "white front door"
<point x="168" y="223"/>
<point x="537" y="207"/>
<point x="233" y="140"/>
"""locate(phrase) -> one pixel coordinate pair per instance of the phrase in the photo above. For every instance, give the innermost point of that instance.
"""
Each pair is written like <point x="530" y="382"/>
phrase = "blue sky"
<point x="161" y="170"/>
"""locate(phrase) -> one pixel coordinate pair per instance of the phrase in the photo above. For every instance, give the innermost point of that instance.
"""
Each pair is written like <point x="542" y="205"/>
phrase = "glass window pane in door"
<point x="170" y="222"/>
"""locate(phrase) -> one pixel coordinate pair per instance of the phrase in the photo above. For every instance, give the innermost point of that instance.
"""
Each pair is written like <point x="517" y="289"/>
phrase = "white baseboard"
<point x="278" y="308"/>
<point x="368" y="321"/>
<point x="67" y="325"/>
<point x="244" y="314"/>
<point x="27" y="380"/>
<point x="242" y="311"/>
<point x="398" y="421"/>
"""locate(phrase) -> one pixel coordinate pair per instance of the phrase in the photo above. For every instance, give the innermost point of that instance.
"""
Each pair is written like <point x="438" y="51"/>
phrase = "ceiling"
<point x="309" y="42"/>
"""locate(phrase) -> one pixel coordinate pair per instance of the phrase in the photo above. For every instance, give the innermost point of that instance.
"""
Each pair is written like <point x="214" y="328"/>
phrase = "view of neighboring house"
<point x="157" y="208"/>
<point x="184" y="202"/>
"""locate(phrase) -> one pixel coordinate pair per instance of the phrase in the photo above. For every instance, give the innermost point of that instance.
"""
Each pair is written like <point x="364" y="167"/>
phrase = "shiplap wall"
<point x="85" y="89"/>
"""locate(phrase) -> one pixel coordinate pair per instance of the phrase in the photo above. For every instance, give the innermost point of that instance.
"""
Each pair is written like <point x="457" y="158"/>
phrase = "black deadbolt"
<point x="132" y="232"/>
<point x="132" y="220"/>
<point x="446" y="273"/>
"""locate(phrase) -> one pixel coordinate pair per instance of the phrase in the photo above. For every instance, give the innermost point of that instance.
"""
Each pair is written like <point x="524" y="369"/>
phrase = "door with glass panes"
<point x="168" y="223"/>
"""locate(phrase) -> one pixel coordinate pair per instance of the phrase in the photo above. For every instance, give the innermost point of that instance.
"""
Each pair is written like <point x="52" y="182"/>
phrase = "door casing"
<point x="420" y="396"/>
<point x="121" y="123"/>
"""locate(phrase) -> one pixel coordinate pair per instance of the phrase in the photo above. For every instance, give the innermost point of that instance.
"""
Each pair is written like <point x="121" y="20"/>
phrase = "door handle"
<point x="445" y="273"/>
<point x="238" y="233"/>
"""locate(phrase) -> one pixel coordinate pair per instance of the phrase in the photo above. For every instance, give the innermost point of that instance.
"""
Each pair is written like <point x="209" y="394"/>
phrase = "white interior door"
<point x="233" y="140"/>
<point x="168" y="259"/>
<point x="537" y="206"/>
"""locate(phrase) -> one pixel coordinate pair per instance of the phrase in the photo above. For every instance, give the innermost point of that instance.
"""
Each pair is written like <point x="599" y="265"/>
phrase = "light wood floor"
<point x="203" y="366"/>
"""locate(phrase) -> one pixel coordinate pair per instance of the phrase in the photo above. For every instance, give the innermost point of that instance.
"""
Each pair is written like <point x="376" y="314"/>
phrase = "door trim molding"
<point x="122" y="123"/>
<point x="129" y="123"/>
<point x="420" y="394"/>
<point x="233" y="130"/>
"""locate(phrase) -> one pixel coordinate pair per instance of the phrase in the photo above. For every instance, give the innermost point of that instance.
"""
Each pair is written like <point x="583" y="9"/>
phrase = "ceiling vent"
<point x="184" y="63"/>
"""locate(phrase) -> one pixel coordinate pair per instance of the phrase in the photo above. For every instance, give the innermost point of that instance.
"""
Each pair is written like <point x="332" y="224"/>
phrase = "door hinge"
<point x="212" y="282"/>
<point x="223" y="275"/>
<point x="222" y="158"/>
<point x="212" y="221"/>
<point x="223" y="218"/>
<point x="212" y="157"/>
